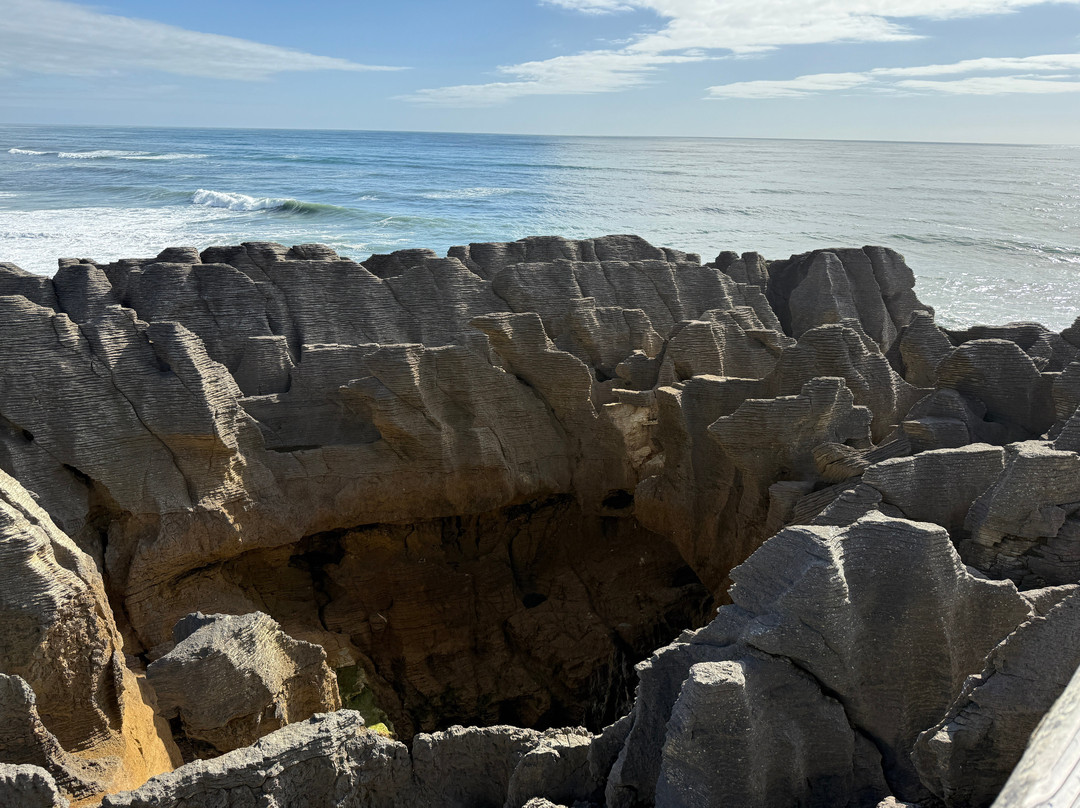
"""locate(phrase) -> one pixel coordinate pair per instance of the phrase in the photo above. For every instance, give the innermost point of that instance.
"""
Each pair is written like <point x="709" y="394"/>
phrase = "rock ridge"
<point x="480" y="488"/>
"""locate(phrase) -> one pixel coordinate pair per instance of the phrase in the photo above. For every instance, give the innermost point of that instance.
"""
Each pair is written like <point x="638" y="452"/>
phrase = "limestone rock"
<point x="881" y="614"/>
<point x="938" y="486"/>
<point x="756" y="731"/>
<point x="966" y="757"/>
<point x="872" y="287"/>
<point x="28" y="787"/>
<point x="922" y="348"/>
<point x="26" y="742"/>
<point x="328" y="761"/>
<point x="67" y="685"/>
<point x="1025" y="526"/>
<point x="232" y="679"/>
<point x="1001" y="376"/>
<point x="1046" y="772"/>
<point x="557" y="768"/>
<point x="463" y="767"/>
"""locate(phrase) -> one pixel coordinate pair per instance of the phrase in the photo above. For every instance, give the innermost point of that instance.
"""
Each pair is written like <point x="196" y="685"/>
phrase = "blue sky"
<point x="970" y="70"/>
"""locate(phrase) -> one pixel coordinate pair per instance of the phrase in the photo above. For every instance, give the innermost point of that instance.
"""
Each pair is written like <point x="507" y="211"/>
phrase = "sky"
<point x="937" y="70"/>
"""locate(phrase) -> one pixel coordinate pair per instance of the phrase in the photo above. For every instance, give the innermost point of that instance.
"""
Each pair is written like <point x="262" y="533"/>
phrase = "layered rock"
<point x="866" y="632"/>
<point x="232" y="679"/>
<point x="487" y="484"/>
<point x="967" y="757"/>
<point x="68" y="700"/>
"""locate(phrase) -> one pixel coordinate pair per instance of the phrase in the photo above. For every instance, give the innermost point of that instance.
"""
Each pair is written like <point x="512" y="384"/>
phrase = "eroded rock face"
<point x="874" y="625"/>
<point x="967" y="757"/>
<point x="486" y="484"/>
<point x="232" y="679"/>
<point x="28" y="787"/>
<point x="68" y="700"/>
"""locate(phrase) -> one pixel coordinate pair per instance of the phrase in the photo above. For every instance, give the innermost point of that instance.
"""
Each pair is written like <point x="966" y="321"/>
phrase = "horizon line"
<point x="539" y="135"/>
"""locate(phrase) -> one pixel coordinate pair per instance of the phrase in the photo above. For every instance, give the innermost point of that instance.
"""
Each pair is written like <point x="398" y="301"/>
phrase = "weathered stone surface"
<point x="69" y="701"/>
<point x="757" y="731"/>
<point x="872" y="287"/>
<point x="25" y="741"/>
<point x="1024" y="526"/>
<point x="1046" y="774"/>
<point x="232" y="679"/>
<point x="1002" y="377"/>
<point x="938" y="486"/>
<point x="28" y="787"/>
<point x="557" y="769"/>
<point x="966" y="757"/>
<point x="468" y="766"/>
<point x="922" y="348"/>
<point x="487" y="483"/>
<point x="881" y="614"/>
<point x="328" y="761"/>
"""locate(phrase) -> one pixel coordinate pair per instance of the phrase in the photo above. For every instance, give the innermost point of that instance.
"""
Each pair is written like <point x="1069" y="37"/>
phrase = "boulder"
<point x="232" y="679"/>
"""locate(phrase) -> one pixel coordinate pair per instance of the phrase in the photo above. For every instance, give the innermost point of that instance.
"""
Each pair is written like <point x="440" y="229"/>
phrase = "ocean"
<point x="991" y="231"/>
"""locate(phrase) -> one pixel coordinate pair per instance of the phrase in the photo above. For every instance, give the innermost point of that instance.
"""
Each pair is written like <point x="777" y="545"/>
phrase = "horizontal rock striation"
<point x="487" y="485"/>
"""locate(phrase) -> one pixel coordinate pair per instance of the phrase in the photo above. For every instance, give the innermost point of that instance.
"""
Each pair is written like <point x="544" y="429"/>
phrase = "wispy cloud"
<point x="1047" y="73"/>
<point x="694" y="30"/>
<point x="790" y="88"/>
<point x="592" y="6"/>
<point x="600" y="71"/>
<point x="53" y="36"/>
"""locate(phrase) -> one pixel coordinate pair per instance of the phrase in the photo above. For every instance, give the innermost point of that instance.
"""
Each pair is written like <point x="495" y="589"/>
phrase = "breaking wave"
<point x="243" y="202"/>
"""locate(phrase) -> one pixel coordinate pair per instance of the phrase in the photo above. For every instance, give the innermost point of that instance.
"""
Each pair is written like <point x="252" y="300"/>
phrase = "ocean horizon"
<point x="992" y="231"/>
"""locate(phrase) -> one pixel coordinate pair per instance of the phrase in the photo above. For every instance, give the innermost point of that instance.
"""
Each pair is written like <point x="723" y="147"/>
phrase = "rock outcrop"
<point x="69" y="702"/>
<point x="231" y="679"/>
<point x="481" y="487"/>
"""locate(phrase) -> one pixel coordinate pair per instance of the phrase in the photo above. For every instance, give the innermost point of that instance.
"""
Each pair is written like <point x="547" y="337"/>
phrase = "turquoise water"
<point x="992" y="232"/>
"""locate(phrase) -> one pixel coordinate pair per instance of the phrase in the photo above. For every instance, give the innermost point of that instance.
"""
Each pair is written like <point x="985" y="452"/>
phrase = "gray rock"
<point x="28" y="787"/>
<point x="966" y="758"/>
<point x="1025" y="526"/>
<point x="328" y="761"/>
<point x="233" y="679"/>
<point x="938" y="486"/>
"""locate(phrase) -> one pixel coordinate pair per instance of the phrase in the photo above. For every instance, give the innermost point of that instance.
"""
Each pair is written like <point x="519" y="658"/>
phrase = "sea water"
<point x="991" y="231"/>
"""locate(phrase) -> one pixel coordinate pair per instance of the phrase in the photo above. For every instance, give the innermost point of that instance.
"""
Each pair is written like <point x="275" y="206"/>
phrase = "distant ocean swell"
<point x="100" y="154"/>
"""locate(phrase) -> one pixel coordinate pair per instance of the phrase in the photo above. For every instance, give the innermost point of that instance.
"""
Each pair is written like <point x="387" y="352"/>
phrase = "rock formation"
<point x="481" y="487"/>
<point x="232" y="679"/>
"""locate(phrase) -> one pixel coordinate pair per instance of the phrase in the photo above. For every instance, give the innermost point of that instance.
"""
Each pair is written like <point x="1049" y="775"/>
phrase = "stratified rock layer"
<point x="232" y="679"/>
<point x="487" y="484"/>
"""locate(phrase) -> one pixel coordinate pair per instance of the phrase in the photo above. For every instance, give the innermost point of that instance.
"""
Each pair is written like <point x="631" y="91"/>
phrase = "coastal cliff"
<point x="484" y="489"/>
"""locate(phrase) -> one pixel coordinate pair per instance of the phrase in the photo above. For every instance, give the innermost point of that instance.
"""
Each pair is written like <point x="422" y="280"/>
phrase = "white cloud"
<point x="995" y="85"/>
<point x="692" y="30"/>
<point x="592" y="6"/>
<point x="1046" y="73"/>
<point x="582" y="73"/>
<point x="791" y="88"/>
<point x="53" y="36"/>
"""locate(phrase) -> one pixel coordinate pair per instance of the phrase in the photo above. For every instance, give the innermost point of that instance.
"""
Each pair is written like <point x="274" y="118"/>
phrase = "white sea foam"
<point x="30" y="152"/>
<point x="468" y="193"/>
<point x="169" y="156"/>
<point x="98" y="154"/>
<point x="7" y="195"/>
<point x="231" y="201"/>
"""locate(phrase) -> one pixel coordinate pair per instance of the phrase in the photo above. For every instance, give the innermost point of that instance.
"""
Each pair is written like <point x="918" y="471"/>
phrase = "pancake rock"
<point x="68" y="700"/>
<point x="865" y="633"/>
<point x="230" y="680"/>
<point x="479" y="488"/>
<point x="29" y="787"/>
<point x="967" y="757"/>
